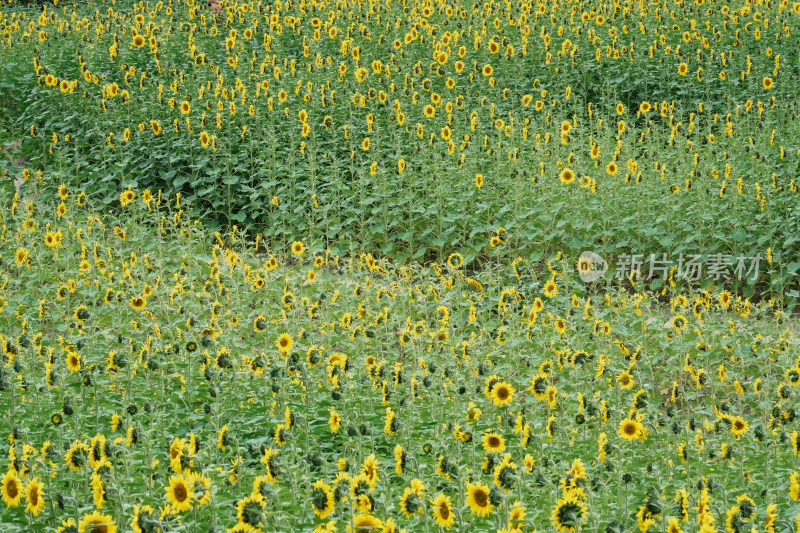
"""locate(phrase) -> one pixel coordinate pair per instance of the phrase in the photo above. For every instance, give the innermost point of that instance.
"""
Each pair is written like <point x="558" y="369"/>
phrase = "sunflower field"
<point x="204" y="214"/>
<point x="417" y="129"/>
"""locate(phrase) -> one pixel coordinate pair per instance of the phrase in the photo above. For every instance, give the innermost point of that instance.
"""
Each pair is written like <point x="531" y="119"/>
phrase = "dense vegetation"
<point x="415" y="130"/>
<point x="314" y="266"/>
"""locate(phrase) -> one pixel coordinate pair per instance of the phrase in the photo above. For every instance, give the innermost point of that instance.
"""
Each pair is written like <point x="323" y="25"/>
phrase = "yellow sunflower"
<point x="11" y="489"/>
<point x="179" y="494"/>
<point x="478" y="499"/>
<point x="95" y="522"/>
<point x="442" y="510"/>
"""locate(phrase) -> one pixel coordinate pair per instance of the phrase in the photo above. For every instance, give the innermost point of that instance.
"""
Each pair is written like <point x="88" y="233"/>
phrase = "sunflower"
<point x="539" y="384"/>
<point x="81" y="314"/>
<point x="725" y="299"/>
<point x="410" y="502"/>
<point x="365" y="523"/>
<point x="73" y="361"/>
<point x="52" y="239"/>
<point x="568" y="514"/>
<point x="502" y="393"/>
<point x="138" y="303"/>
<point x="284" y="344"/>
<point x="739" y="426"/>
<point x="260" y="323"/>
<point x="625" y="380"/>
<point x="11" y="489"/>
<point x="630" y="429"/>
<point x="455" y="260"/>
<point x="138" y="41"/>
<point x="399" y="460"/>
<point x="442" y="510"/>
<point x="126" y="197"/>
<point x="250" y="510"/>
<point x="143" y="516"/>
<point x="23" y="257"/>
<point x="567" y="176"/>
<point x="179" y="493"/>
<point x="493" y="443"/>
<point x="644" y="107"/>
<point x="561" y="326"/>
<point x="95" y="522"/>
<point x="679" y="323"/>
<point x="322" y="499"/>
<point x="478" y="499"/>
<point x="683" y="68"/>
<point x="611" y="168"/>
<point x="767" y="83"/>
<point x="550" y="289"/>
<point x="205" y="139"/>
<point x="298" y="248"/>
<point x="222" y="438"/>
<point x="370" y="470"/>
<point x="390" y="422"/>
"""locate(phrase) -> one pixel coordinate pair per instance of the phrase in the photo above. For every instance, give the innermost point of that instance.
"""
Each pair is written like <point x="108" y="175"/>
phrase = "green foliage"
<point x="325" y="185"/>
